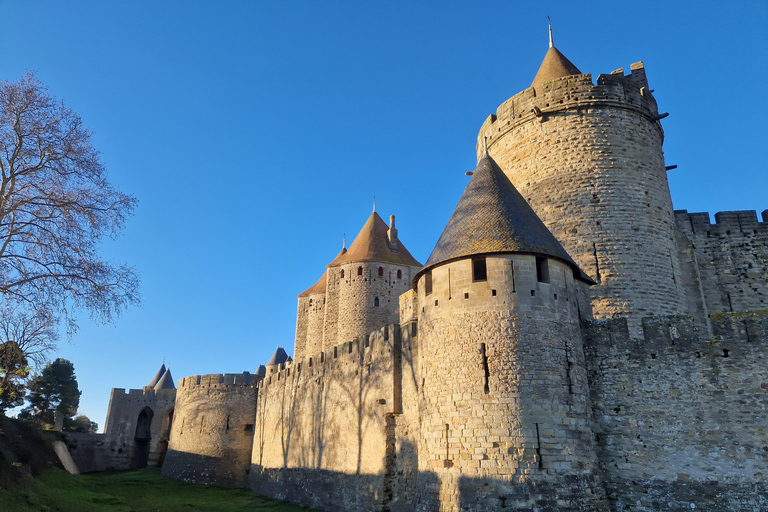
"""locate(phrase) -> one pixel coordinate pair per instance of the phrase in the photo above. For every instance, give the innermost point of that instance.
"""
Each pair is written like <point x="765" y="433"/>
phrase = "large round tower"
<point x="588" y="158"/>
<point x="504" y="416"/>
<point x="363" y="285"/>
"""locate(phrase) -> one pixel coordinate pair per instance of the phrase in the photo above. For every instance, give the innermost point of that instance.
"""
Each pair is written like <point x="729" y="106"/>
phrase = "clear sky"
<point x="255" y="134"/>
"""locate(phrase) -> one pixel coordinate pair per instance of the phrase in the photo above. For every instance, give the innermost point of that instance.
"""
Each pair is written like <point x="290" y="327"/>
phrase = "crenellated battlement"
<point x="362" y="351"/>
<point x="218" y="380"/>
<point x="728" y="224"/>
<point x="146" y="393"/>
<point x="678" y="336"/>
<point x="576" y="92"/>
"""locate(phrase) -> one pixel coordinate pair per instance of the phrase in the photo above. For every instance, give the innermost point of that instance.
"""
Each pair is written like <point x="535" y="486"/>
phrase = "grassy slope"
<point x="31" y="479"/>
<point x="136" y="491"/>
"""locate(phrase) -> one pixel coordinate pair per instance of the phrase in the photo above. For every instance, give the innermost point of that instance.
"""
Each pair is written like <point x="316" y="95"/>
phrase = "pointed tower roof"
<point x="157" y="376"/>
<point x="555" y="65"/>
<point x="492" y="217"/>
<point x="372" y="244"/>
<point x="165" y="382"/>
<point x="279" y="357"/>
<point x="320" y="285"/>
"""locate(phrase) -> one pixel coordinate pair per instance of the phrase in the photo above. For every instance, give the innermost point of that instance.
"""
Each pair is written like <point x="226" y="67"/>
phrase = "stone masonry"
<point x="571" y="344"/>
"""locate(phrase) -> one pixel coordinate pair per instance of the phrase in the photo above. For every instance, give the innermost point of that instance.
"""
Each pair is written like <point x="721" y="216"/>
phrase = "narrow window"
<point x="359" y="271"/>
<point x="342" y="274"/>
<point x="485" y="367"/>
<point x="513" y="275"/>
<point x="376" y="302"/>
<point x="479" y="270"/>
<point x="381" y="271"/>
<point x="335" y="352"/>
<point x="428" y="283"/>
<point x="399" y="274"/>
<point x="310" y="302"/>
<point x="542" y="269"/>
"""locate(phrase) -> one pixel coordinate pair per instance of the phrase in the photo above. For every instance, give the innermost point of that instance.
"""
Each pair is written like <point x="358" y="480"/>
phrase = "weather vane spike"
<point x="551" y="44"/>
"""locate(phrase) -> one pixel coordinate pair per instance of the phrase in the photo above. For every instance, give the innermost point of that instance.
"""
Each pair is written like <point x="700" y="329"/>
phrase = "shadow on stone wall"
<point x="203" y="469"/>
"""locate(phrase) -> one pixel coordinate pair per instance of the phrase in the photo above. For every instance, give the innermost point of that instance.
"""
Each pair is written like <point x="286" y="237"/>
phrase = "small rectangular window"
<point x="248" y="427"/>
<point x="428" y="283"/>
<point x="479" y="270"/>
<point x="542" y="269"/>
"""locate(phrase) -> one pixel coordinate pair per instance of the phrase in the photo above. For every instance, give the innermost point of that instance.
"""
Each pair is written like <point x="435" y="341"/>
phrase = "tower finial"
<point x="374" y="204"/>
<point x="344" y="241"/>
<point x="551" y="44"/>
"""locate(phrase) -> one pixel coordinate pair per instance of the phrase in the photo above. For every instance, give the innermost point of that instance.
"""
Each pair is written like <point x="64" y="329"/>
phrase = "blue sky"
<point x="255" y="134"/>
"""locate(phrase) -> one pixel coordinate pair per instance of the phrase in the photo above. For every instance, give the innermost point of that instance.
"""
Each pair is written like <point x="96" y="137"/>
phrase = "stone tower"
<point x="588" y="159"/>
<point x="363" y="284"/>
<point x="311" y="316"/>
<point x="504" y="415"/>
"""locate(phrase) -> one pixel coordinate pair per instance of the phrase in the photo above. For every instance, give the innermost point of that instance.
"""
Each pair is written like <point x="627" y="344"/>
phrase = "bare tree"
<point x="55" y="206"/>
<point x="33" y="332"/>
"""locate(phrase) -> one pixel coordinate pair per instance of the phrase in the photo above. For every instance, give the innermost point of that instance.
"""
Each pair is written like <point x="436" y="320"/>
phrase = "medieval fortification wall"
<point x="135" y="435"/>
<point x="213" y="429"/>
<point x="729" y="260"/>
<point x="681" y="420"/>
<point x="502" y="391"/>
<point x="324" y="425"/>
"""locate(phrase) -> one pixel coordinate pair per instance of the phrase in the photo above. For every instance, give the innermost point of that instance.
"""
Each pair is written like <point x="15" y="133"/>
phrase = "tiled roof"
<point x="372" y="244"/>
<point x="555" y="65"/>
<point x="492" y="217"/>
<point x="318" y="287"/>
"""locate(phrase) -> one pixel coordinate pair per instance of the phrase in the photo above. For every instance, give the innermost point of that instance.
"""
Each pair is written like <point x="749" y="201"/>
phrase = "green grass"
<point x="135" y="491"/>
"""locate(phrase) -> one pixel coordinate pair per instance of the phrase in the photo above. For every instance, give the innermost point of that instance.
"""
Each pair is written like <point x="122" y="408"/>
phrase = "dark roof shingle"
<point x="493" y="217"/>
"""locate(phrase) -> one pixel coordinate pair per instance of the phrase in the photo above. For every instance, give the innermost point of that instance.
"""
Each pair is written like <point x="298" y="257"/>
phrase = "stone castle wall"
<point x="588" y="159"/>
<point x="505" y="421"/>
<point x="729" y="260"/>
<point x="118" y="449"/>
<point x="323" y="435"/>
<point x="213" y="429"/>
<point x="682" y="419"/>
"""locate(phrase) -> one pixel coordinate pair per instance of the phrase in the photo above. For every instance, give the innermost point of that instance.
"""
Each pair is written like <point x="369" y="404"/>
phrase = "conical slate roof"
<point x="492" y="217"/>
<point x="372" y="244"/>
<point x="157" y="376"/>
<point x="279" y="357"/>
<point x="555" y="65"/>
<point x="165" y="382"/>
